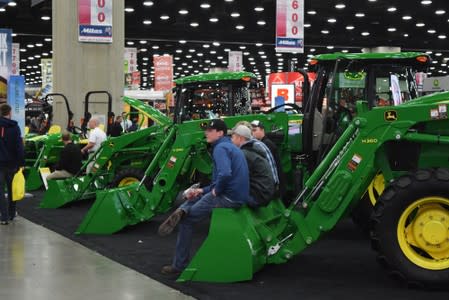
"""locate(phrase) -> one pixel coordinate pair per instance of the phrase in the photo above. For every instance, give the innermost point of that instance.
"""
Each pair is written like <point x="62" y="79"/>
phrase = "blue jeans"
<point x="196" y="210"/>
<point x="7" y="206"/>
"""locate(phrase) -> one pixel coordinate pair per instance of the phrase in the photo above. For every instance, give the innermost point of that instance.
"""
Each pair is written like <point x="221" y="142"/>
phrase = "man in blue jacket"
<point x="229" y="189"/>
<point x="11" y="159"/>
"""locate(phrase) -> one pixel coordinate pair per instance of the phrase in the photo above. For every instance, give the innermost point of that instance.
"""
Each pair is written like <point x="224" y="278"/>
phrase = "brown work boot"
<point x="168" y="225"/>
<point x="170" y="270"/>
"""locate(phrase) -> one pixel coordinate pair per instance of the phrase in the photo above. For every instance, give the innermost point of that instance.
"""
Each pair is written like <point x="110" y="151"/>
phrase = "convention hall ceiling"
<point x="198" y="33"/>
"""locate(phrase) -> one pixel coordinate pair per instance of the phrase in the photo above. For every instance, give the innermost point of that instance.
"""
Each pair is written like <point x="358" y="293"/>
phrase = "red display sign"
<point x="289" y="78"/>
<point x="163" y="72"/>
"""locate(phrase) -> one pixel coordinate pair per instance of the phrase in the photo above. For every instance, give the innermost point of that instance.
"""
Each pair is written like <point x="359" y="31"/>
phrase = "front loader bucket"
<point x="236" y="246"/>
<point x="59" y="193"/>
<point x="111" y="211"/>
<point x="33" y="180"/>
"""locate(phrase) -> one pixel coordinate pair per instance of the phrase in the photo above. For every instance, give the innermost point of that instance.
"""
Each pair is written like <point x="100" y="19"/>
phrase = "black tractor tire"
<point x="129" y="173"/>
<point x="404" y="200"/>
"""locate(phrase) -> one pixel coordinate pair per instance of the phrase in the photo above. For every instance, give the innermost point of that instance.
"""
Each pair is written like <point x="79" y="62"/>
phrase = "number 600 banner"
<point x="290" y="26"/>
<point x="95" y="21"/>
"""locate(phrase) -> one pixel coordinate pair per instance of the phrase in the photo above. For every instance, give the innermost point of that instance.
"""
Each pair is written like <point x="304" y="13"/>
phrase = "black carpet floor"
<point x="340" y="266"/>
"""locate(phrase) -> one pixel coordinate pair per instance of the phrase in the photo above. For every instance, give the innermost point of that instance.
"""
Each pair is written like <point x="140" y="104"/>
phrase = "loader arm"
<point x="246" y="239"/>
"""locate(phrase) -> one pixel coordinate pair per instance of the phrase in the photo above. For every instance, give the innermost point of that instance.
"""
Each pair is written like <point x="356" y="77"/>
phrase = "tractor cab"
<point x="213" y="95"/>
<point x="379" y="79"/>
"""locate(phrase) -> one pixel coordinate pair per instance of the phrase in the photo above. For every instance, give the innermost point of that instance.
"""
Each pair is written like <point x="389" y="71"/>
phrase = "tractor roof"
<point x="218" y="76"/>
<point x="370" y="56"/>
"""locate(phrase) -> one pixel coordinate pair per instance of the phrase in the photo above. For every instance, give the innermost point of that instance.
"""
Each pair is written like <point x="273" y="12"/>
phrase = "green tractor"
<point x="183" y="157"/>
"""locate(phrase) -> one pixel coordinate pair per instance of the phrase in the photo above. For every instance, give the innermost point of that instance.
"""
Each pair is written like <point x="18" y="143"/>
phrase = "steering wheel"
<point x="292" y="105"/>
<point x="78" y="130"/>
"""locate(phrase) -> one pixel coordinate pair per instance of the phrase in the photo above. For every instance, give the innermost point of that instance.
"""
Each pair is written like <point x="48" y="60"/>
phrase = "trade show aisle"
<point x="36" y="263"/>
<point x="340" y="266"/>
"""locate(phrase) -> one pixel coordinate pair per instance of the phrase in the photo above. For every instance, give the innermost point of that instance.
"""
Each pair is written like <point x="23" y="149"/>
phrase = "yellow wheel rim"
<point x="423" y="233"/>
<point x="127" y="181"/>
<point x="376" y="188"/>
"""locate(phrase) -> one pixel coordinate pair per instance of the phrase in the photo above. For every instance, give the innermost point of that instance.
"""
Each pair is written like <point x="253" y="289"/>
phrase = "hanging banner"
<point x="16" y="98"/>
<point x="5" y="61"/>
<point x="15" y="65"/>
<point x="130" y="66"/>
<point x="235" y="61"/>
<point x="163" y="72"/>
<point x="290" y="26"/>
<point x="95" y="21"/>
<point x="47" y="76"/>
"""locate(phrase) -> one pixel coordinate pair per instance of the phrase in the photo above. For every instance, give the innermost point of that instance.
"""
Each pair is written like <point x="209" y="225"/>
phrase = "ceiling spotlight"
<point x="45" y="18"/>
<point x="420" y="24"/>
<point x="205" y="5"/>
<point x="442" y="36"/>
<point x="258" y="8"/>
<point x="311" y="12"/>
<point x="325" y="31"/>
<point x="365" y="33"/>
<point x="235" y="15"/>
<point x="12" y="3"/>
<point x="261" y="23"/>
<point x="332" y="20"/>
<point x="147" y="22"/>
<point x="259" y="44"/>
<point x="392" y="9"/>
<point x="164" y="17"/>
<point x="330" y="47"/>
<point x="183" y="12"/>
<point x="307" y="25"/>
<point x="216" y="44"/>
<point x="340" y="6"/>
<point x="129" y="9"/>
<point x="148" y="3"/>
<point x="182" y="41"/>
<point x="391" y="29"/>
<point x="440" y="12"/>
<point x="194" y="24"/>
<point x="350" y="27"/>
<point x="426" y="2"/>
<point x="359" y="15"/>
<point x="239" y="27"/>
<point x="431" y="31"/>
<point x="213" y="20"/>
<point x="406" y="17"/>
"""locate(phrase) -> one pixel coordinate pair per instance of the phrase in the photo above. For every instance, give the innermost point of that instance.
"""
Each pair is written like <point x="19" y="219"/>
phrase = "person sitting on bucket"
<point x="70" y="160"/>
<point x="261" y="181"/>
<point x="229" y="189"/>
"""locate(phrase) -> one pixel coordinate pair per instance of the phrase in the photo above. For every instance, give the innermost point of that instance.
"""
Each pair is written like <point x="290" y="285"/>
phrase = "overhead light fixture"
<point x="440" y="12"/>
<point x="194" y="24"/>
<point x="213" y="20"/>
<point x="431" y="31"/>
<point x="258" y="8"/>
<point x="45" y="18"/>
<point x="148" y="3"/>
<point x="340" y="6"/>
<point x="359" y="15"/>
<point x="235" y="15"/>
<point x="12" y="3"/>
<point x="420" y="24"/>
<point x="365" y="33"/>
<point x="205" y="5"/>
<point x="442" y="36"/>
<point x="406" y="17"/>
<point x="311" y="12"/>
<point x="147" y="22"/>
<point x="261" y="23"/>
<point x="240" y="27"/>
<point x="183" y="11"/>
<point x="350" y="27"/>
<point x="164" y="17"/>
<point x="392" y="9"/>
<point x="426" y="2"/>
<point x="391" y="29"/>
<point x="332" y="20"/>
<point x="182" y="41"/>
<point x="129" y="9"/>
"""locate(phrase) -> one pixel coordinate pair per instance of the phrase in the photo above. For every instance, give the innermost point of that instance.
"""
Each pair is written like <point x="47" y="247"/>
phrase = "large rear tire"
<point x="411" y="228"/>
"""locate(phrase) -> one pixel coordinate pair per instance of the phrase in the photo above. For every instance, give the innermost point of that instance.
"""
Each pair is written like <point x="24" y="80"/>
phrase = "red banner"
<point x="163" y="72"/>
<point x="289" y="78"/>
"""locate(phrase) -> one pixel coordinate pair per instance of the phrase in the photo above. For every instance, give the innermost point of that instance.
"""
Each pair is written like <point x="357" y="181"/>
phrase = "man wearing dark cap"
<point x="11" y="159"/>
<point x="229" y="189"/>
<point x="258" y="131"/>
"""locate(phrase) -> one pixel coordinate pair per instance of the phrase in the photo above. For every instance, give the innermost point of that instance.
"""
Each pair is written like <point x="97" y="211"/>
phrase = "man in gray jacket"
<point x="261" y="181"/>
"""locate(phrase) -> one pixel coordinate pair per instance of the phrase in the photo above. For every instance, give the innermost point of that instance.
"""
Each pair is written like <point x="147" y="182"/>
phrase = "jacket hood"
<point x="255" y="148"/>
<point x="4" y="122"/>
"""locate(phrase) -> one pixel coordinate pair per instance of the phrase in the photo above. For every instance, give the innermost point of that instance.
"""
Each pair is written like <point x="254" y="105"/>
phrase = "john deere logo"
<point x="391" y="115"/>
<point x="436" y="83"/>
